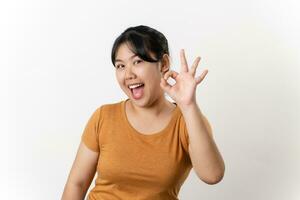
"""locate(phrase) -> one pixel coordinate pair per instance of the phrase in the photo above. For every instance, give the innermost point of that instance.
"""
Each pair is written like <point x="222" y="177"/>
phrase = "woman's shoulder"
<point x="109" y="107"/>
<point x="112" y="104"/>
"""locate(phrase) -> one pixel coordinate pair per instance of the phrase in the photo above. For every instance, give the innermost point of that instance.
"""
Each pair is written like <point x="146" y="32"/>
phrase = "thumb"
<point x="165" y="85"/>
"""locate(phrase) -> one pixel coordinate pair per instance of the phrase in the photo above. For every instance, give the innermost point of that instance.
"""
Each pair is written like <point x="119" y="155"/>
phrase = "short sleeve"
<point x="90" y="135"/>
<point x="183" y="133"/>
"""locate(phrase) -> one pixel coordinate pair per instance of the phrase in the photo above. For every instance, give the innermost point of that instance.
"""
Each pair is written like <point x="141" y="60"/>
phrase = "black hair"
<point x="142" y="40"/>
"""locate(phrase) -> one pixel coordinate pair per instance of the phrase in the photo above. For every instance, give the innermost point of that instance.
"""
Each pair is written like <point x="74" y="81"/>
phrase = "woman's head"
<point x="141" y="55"/>
<point x="143" y="40"/>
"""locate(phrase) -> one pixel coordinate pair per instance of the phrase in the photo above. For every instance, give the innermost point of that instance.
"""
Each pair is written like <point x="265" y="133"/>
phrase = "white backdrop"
<point x="56" y="70"/>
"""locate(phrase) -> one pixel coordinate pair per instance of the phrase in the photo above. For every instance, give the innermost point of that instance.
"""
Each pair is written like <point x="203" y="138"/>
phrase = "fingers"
<point x="195" y="65"/>
<point x="171" y="73"/>
<point x="184" y="65"/>
<point x="164" y="84"/>
<point x="201" y="77"/>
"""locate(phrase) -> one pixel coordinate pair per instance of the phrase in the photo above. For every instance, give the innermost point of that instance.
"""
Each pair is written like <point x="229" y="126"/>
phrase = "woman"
<point x="145" y="146"/>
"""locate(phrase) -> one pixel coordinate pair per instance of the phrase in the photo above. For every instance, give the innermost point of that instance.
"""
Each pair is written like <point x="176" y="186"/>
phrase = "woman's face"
<point x="131" y="70"/>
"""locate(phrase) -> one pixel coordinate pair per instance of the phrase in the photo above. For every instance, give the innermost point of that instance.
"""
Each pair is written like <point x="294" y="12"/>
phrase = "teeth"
<point x="135" y="85"/>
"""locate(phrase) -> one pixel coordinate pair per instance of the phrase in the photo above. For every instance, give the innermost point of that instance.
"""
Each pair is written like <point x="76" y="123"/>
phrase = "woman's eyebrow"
<point x="129" y="58"/>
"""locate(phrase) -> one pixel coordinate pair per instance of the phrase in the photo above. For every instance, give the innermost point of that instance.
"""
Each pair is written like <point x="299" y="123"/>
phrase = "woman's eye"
<point x="137" y="61"/>
<point x="119" y="66"/>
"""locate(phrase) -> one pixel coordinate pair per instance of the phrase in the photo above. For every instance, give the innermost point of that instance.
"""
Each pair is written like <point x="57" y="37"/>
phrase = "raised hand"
<point x="183" y="92"/>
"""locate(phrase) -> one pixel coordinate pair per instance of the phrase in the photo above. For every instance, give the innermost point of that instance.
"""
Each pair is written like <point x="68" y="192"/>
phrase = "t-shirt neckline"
<point x="156" y="134"/>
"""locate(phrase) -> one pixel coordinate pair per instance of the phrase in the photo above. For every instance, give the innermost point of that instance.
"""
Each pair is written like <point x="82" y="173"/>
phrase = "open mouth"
<point x="138" y="91"/>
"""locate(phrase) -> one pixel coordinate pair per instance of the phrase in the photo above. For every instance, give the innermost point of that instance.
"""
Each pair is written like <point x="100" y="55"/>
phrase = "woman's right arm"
<point x="82" y="174"/>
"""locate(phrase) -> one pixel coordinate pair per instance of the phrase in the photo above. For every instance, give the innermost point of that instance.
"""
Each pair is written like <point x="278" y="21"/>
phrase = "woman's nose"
<point x="129" y="73"/>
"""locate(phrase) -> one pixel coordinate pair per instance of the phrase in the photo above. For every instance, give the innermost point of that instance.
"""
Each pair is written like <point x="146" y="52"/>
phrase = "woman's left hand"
<point x="183" y="92"/>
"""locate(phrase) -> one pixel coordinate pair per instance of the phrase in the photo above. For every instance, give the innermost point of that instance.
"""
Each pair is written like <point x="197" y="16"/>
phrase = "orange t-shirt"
<point x="133" y="165"/>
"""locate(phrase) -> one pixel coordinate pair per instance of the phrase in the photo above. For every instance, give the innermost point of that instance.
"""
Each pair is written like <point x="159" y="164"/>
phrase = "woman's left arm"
<point x="205" y="156"/>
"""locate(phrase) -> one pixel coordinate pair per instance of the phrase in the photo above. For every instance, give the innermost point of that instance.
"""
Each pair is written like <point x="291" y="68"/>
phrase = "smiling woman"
<point x="147" y="144"/>
<point x="141" y="56"/>
<point x="133" y="73"/>
<point x="135" y="88"/>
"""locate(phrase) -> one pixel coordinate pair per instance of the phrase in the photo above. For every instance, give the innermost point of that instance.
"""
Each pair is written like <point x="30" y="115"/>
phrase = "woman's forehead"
<point x="124" y="53"/>
<point x="122" y="59"/>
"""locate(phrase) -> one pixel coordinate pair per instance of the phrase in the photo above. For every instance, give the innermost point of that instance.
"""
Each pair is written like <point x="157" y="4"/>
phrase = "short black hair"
<point x="142" y="40"/>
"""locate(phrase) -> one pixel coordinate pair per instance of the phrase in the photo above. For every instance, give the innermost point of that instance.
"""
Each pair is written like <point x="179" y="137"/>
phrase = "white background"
<point x="56" y="70"/>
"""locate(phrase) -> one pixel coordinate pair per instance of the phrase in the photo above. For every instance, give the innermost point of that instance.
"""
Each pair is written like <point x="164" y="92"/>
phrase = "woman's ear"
<point x="165" y="64"/>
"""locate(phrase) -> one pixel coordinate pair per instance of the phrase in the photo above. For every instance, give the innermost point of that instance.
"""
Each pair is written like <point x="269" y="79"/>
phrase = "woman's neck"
<point x="158" y="107"/>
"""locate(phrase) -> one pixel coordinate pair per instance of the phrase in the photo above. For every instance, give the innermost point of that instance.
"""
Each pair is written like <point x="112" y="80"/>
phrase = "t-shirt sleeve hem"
<point x="89" y="145"/>
<point x="184" y="135"/>
<point x="90" y="135"/>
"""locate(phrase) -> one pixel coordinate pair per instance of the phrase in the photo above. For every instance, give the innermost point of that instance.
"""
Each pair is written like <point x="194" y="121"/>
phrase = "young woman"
<point x="145" y="146"/>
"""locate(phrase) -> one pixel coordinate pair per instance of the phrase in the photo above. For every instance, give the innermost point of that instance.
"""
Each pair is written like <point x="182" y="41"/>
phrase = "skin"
<point x="205" y="156"/>
<point x="132" y="69"/>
